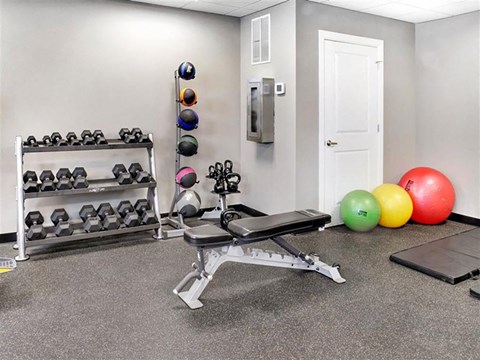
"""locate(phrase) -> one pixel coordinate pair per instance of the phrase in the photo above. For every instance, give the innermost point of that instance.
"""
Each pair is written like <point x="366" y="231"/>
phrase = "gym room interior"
<point x="316" y="163"/>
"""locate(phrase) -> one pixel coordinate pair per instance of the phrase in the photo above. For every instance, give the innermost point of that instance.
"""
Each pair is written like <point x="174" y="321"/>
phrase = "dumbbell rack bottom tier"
<point x="96" y="186"/>
<point x="80" y="234"/>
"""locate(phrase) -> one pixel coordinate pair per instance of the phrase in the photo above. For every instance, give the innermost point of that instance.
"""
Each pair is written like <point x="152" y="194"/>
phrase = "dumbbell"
<point x="31" y="141"/>
<point x="80" y="178"/>
<point x="128" y="213"/>
<point x="137" y="172"/>
<point x="87" y="138"/>
<point x="63" y="176"/>
<point x="34" y="221"/>
<point x="144" y="209"/>
<point x="91" y="222"/>
<point x="110" y="220"/>
<point x="72" y="139"/>
<point x="99" y="137"/>
<point x="60" y="218"/>
<point x="47" y="178"/>
<point x="139" y="136"/>
<point x="30" y="183"/>
<point x="57" y="139"/>
<point x="126" y="136"/>
<point x="122" y="175"/>
<point x="47" y="141"/>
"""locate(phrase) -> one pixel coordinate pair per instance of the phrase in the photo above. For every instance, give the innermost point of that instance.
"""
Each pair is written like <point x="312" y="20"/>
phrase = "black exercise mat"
<point x="451" y="259"/>
<point x="475" y="291"/>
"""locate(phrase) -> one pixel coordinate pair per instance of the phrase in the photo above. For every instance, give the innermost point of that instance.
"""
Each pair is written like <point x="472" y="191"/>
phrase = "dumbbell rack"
<point x="95" y="186"/>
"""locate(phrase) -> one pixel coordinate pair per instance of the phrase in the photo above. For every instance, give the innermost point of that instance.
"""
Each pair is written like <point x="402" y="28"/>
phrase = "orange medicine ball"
<point x="188" y="97"/>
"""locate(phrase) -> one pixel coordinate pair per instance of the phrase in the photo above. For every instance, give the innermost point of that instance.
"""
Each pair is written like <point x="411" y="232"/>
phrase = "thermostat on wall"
<point x="280" y="88"/>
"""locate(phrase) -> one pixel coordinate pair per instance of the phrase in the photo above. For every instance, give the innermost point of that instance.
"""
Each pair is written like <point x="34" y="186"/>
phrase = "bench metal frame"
<point x="203" y="270"/>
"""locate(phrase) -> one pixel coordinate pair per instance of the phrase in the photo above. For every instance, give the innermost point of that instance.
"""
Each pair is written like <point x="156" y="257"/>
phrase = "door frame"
<point x="355" y="40"/>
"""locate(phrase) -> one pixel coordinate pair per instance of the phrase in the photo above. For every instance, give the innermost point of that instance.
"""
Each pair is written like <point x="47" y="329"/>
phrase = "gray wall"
<point x="268" y="181"/>
<point x="399" y="90"/>
<point x="74" y="65"/>
<point x="447" y="131"/>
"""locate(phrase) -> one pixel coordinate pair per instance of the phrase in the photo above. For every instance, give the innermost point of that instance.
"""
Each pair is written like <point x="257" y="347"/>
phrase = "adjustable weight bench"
<point x="246" y="231"/>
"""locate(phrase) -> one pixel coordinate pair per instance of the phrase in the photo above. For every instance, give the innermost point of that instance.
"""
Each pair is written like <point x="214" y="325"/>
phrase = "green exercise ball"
<point x="360" y="211"/>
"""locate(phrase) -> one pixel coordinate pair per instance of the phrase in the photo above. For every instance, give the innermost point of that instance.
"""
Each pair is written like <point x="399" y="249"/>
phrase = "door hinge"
<point x="378" y="128"/>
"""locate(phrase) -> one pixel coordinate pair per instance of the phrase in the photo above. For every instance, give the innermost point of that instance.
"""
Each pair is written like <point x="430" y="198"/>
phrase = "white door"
<point x="351" y="118"/>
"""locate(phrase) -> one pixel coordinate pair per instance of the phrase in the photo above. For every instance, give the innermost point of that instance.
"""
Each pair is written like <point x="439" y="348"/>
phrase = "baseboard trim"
<point x="12" y="237"/>
<point x="8" y="237"/>
<point x="464" y="219"/>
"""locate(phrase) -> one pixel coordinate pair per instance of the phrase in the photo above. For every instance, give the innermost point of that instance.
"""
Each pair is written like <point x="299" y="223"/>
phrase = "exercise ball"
<point x="187" y="120"/>
<point x="187" y="145"/>
<point x="432" y="194"/>
<point x="395" y="205"/>
<point x="188" y="203"/>
<point x="186" y="177"/>
<point x="186" y="70"/>
<point x="360" y="211"/>
<point x="188" y="97"/>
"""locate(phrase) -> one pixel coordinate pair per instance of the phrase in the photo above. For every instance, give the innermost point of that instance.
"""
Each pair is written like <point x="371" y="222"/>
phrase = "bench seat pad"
<point x="207" y="235"/>
<point x="264" y="227"/>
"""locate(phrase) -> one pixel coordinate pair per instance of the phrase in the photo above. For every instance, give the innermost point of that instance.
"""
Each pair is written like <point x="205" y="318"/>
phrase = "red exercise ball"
<point x="432" y="195"/>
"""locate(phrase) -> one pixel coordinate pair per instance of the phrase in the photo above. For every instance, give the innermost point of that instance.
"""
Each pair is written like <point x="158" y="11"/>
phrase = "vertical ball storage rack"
<point x="177" y="222"/>
<point x="96" y="186"/>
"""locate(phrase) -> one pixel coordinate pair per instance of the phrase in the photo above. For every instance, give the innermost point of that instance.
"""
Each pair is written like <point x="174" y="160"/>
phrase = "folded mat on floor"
<point x="451" y="259"/>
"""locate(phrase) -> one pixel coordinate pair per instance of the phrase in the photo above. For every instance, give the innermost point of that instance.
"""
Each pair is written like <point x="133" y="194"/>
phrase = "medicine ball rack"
<point x="96" y="186"/>
<point x="175" y="221"/>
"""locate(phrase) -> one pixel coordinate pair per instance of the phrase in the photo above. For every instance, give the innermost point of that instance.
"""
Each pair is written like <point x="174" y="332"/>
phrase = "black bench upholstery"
<point x="265" y="227"/>
<point x="257" y="228"/>
<point x="206" y="235"/>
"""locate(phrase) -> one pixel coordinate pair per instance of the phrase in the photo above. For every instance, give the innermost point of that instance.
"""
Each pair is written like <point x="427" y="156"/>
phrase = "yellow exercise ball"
<point x="395" y="204"/>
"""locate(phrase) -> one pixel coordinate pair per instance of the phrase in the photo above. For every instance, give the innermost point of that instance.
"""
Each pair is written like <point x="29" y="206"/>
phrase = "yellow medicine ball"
<point x="395" y="203"/>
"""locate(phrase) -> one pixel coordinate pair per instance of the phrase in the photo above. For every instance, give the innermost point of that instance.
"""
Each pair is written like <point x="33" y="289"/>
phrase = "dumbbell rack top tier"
<point x="113" y="144"/>
<point x="96" y="186"/>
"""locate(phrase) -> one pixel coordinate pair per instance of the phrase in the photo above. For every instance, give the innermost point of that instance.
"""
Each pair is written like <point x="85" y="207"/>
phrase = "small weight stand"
<point x="222" y="206"/>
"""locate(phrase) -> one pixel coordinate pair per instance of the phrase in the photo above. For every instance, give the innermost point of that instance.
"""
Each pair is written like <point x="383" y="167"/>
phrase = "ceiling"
<point x="414" y="11"/>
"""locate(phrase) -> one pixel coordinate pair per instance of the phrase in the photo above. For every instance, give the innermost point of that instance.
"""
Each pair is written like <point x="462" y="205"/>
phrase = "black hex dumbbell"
<point x="99" y="137"/>
<point x="91" y="222"/>
<point x="63" y="177"/>
<point x="47" y="141"/>
<point x="126" y="136"/>
<point x="137" y="172"/>
<point x="80" y="178"/>
<point x="128" y="213"/>
<point x="31" y="141"/>
<point x="72" y="139"/>
<point x="144" y="209"/>
<point x="34" y="221"/>
<point x="47" y="178"/>
<point x="139" y="136"/>
<point x="60" y="218"/>
<point x="87" y="138"/>
<point x="110" y="220"/>
<point x="57" y="139"/>
<point x="30" y="183"/>
<point x="122" y="175"/>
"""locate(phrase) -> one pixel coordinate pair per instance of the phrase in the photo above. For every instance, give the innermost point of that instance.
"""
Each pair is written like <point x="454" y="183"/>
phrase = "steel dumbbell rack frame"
<point x="96" y="186"/>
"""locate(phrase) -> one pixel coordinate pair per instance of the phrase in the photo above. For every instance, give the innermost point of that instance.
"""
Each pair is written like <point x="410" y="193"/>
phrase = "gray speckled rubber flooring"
<point x="115" y="301"/>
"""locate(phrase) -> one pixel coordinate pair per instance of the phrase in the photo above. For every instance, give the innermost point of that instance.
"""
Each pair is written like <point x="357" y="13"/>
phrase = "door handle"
<point x="331" y="143"/>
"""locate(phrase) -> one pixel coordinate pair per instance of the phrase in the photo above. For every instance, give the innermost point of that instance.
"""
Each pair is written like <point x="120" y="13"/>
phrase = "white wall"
<point x="86" y="64"/>
<point x="448" y="113"/>
<point x="399" y="90"/>
<point x="268" y="176"/>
